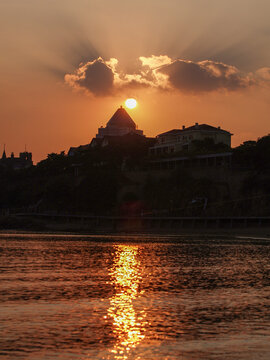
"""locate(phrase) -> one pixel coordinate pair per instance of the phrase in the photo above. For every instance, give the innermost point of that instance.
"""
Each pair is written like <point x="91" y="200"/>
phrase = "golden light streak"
<point x="129" y="325"/>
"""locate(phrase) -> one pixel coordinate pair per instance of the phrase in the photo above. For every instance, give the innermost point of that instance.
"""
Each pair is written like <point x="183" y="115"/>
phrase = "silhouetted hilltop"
<point x="118" y="178"/>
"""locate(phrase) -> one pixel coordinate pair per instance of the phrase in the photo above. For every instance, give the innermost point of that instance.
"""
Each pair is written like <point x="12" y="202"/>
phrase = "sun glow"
<point x="131" y="103"/>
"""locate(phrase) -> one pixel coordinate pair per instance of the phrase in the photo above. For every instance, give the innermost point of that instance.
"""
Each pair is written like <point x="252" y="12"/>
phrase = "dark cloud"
<point x="205" y="76"/>
<point x="97" y="77"/>
<point x="102" y="78"/>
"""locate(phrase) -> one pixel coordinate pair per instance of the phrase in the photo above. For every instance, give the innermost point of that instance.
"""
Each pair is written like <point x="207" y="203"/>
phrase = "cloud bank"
<point x="103" y="78"/>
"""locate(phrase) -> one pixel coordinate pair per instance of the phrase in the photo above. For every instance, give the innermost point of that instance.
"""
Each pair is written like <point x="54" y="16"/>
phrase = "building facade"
<point x="182" y="139"/>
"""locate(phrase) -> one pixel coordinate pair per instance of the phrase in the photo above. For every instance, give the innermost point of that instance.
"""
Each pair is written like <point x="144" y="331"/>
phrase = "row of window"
<point x="178" y="138"/>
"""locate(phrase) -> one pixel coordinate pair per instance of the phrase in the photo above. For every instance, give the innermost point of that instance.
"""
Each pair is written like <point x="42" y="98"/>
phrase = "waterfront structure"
<point x="22" y="162"/>
<point x="182" y="139"/>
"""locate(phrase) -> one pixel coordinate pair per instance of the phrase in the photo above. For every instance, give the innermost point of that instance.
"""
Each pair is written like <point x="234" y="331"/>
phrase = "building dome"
<point x="121" y="119"/>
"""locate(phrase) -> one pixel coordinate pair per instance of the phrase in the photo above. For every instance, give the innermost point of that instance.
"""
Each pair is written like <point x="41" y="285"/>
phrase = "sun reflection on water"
<point x="128" y="324"/>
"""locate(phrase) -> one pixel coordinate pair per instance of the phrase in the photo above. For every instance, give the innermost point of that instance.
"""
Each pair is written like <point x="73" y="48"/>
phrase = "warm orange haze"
<point x="66" y="67"/>
<point x="135" y="179"/>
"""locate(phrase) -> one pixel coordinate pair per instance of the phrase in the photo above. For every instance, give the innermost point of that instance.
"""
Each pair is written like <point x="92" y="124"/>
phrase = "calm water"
<point x="146" y="298"/>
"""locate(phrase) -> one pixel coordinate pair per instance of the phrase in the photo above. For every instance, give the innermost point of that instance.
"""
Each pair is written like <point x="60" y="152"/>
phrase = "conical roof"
<point x="121" y="119"/>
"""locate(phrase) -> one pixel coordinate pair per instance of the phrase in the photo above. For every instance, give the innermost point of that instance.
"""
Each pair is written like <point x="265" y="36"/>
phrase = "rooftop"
<point x="204" y="127"/>
<point x="196" y="127"/>
<point x="121" y="119"/>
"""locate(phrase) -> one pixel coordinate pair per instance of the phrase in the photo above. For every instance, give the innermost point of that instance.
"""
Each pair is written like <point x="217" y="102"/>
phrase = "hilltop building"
<point x="117" y="128"/>
<point x="119" y="124"/>
<point x="22" y="162"/>
<point x="181" y="139"/>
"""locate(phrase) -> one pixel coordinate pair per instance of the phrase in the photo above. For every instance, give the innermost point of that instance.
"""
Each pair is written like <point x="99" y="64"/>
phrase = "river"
<point x="134" y="297"/>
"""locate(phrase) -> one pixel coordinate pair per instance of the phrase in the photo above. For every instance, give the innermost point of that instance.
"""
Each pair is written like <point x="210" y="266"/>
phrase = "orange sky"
<point x="184" y="61"/>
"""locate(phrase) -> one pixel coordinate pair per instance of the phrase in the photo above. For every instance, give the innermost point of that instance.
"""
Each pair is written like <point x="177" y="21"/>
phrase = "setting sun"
<point x="131" y="103"/>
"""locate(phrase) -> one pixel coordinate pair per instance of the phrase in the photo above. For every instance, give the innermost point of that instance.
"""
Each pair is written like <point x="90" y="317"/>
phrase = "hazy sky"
<point x="67" y="65"/>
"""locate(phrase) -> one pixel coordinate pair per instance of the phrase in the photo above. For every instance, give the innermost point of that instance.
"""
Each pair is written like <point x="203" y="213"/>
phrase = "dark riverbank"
<point x="224" y="227"/>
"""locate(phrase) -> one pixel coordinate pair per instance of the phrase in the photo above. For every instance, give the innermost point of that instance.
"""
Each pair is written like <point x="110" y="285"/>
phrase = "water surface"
<point x="145" y="298"/>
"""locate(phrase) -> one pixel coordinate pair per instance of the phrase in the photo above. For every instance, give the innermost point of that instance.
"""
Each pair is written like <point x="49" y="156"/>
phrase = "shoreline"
<point x="79" y="227"/>
<point x="74" y="225"/>
<point x="217" y="234"/>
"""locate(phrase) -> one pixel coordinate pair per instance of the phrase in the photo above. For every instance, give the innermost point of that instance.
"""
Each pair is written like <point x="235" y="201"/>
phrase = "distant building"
<point x="181" y="139"/>
<point x="119" y="124"/>
<point x="78" y="150"/>
<point x="22" y="162"/>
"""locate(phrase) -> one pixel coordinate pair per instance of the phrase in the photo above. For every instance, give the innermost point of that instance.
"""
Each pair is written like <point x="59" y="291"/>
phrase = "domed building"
<point x="119" y="124"/>
<point x="119" y="129"/>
